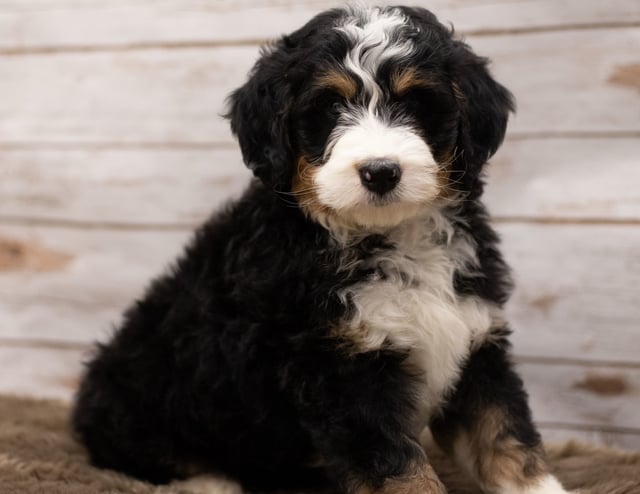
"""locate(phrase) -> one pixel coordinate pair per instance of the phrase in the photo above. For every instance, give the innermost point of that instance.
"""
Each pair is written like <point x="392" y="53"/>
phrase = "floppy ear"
<point x="484" y="110"/>
<point x="259" y="113"/>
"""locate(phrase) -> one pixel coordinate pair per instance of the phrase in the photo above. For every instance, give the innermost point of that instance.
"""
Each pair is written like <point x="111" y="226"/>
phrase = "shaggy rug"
<point x="38" y="455"/>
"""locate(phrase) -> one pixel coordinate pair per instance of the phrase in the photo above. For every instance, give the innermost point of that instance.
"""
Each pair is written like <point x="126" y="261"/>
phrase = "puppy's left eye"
<point x="435" y="110"/>
<point x="329" y="101"/>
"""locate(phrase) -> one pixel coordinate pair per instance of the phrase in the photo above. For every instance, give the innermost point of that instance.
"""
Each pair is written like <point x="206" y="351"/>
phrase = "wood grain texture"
<point x="561" y="80"/>
<point x="69" y="24"/>
<point x="626" y="440"/>
<point x="537" y="178"/>
<point x="580" y="396"/>
<point x="82" y="300"/>
<point x="576" y="290"/>
<point x="574" y="179"/>
<point x="40" y="372"/>
<point x="162" y="97"/>
<point x="133" y="187"/>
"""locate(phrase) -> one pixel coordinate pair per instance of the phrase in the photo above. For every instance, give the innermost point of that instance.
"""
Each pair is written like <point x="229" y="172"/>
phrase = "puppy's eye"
<point x="435" y="112"/>
<point x="317" y="118"/>
<point x="417" y="93"/>
<point x="429" y="99"/>
<point x="328" y="101"/>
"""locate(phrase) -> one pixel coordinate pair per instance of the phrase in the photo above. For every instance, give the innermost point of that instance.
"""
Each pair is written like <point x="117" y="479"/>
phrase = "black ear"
<point x="259" y="113"/>
<point x="484" y="111"/>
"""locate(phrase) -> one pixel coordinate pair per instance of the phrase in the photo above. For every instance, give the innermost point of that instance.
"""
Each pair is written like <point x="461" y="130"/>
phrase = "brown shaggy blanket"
<point x="38" y="455"/>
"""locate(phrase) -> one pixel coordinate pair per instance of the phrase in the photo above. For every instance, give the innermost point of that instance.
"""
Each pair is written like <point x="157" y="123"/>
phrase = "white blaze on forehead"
<point x="371" y="32"/>
<point x="361" y="134"/>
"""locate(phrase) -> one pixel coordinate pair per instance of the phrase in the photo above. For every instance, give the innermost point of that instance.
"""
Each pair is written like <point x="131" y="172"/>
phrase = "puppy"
<point x="350" y="298"/>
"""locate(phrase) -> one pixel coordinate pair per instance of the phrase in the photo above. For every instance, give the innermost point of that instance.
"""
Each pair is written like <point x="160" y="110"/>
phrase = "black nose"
<point x="380" y="175"/>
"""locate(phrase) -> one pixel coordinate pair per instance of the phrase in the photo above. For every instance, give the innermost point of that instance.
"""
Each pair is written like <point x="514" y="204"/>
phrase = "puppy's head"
<point x="368" y="116"/>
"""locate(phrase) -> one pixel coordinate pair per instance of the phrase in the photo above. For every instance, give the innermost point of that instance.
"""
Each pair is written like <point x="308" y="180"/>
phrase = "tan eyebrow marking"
<point x="407" y="79"/>
<point x="340" y="82"/>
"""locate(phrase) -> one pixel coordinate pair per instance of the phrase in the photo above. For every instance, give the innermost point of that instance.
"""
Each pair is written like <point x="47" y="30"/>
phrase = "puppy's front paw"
<point x="546" y="485"/>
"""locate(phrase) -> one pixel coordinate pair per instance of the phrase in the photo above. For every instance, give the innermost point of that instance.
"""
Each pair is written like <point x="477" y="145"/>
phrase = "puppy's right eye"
<point x="430" y="97"/>
<point x="317" y="119"/>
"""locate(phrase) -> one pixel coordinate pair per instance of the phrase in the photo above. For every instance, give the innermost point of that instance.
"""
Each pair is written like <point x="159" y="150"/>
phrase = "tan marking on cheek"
<point x="304" y="190"/>
<point x="339" y="82"/>
<point x="407" y="79"/>
<point x="447" y="189"/>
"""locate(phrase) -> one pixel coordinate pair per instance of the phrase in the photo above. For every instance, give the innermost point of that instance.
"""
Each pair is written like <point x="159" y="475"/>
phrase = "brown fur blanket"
<point x="38" y="455"/>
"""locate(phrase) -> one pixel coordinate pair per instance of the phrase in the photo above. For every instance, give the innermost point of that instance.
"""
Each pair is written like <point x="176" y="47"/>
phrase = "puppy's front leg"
<point x="361" y="413"/>
<point x="487" y="427"/>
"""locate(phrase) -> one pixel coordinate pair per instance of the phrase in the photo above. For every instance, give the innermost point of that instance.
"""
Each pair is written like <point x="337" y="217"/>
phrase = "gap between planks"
<point x="231" y="144"/>
<point x="566" y="426"/>
<point x="44" y="344"/>
<point x="543" y="360"/>
<point x="182" y="45"/>
<point x="190" y="225"/>
<point x="119" y="145"/>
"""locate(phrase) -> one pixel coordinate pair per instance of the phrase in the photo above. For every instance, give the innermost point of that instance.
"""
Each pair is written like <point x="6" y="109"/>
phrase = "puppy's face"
<point x="368" y="116"/>
<point x="375" y="125"/>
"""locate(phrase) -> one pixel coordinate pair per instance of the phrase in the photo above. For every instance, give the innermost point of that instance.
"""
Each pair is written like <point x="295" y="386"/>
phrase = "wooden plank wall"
<point x="112" y="149"/>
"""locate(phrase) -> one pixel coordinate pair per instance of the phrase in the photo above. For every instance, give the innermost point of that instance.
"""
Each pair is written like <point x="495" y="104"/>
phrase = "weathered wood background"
<point x="112" y="149"/>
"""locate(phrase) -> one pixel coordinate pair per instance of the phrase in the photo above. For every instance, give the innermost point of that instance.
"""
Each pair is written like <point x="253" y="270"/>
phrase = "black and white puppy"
<point x="350" y="298"/>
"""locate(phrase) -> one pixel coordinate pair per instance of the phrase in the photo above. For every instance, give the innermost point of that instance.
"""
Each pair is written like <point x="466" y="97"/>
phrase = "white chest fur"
<point x="412" y="304"/>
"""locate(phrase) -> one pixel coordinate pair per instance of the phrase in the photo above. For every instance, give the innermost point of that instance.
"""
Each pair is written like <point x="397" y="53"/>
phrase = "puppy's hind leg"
<point x="120" y="432"/>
